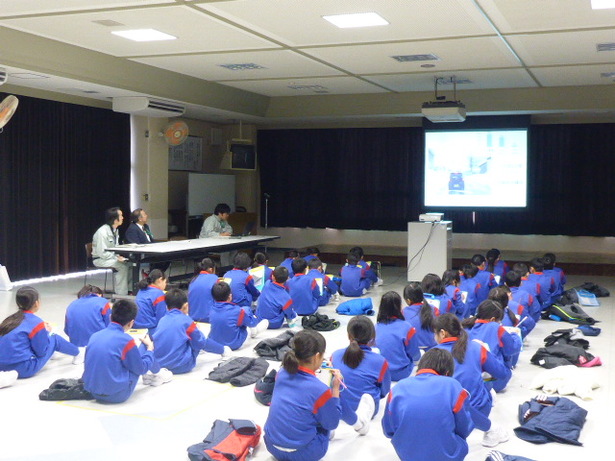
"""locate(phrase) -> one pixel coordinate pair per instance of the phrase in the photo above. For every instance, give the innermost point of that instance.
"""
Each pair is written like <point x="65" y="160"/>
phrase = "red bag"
<point x="227" y="441"/>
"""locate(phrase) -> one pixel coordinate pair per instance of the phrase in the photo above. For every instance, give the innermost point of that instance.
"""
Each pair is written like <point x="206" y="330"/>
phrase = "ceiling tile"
<point x="300" y="22"/>
<point x="194" y="30"/>
<point x="277" y="64"/>
<point x="574" y="75"/>
<point x="13" y="7"/>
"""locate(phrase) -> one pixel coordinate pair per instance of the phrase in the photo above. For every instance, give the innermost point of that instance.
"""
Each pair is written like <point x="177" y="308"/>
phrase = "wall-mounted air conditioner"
<point x="147" y="107"/>
<point x="3" y="75"/>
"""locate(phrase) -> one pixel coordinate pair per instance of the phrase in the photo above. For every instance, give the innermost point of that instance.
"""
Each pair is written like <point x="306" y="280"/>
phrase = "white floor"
<point x="160" y="423"/>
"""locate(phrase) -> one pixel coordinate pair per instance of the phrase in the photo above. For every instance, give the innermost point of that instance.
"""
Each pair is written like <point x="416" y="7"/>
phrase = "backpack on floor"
<point x="571" y="313"/>
<point x="232" y="440"/>
<point x="319" y="322"/>
<point x="599" y="291"/>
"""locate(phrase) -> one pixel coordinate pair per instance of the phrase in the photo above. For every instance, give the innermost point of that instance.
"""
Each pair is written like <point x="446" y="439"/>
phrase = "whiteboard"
<point x="205" y="191"/>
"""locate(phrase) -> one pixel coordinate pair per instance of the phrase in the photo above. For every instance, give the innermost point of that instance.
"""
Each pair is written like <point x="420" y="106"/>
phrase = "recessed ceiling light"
<point x="603" y="4"/>
<point x="27" y="76"/>
<point x="143" y="35"/>
<point x="346" y="21"/>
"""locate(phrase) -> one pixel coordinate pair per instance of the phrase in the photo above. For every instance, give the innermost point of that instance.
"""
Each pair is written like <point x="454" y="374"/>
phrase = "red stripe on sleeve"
<point x="390" y="397"/>
<point x="322" y="400"/>
<point x="314" y="283"/>
<point x="409" y="336"/>
<point x="327" y="279"/>
<point x="127" y="348"/>
<point x="190" y="329"/>
<point x="288" y="304"/>
<point x="449" y="306"/>
<point x="106" y="308"/>
<point x="538" y="289"/>
<point x="158" y="300"/>
<point x="36" y="329"/>
<point x="383" y="370"/>
<point x="483" y="355"/>
<point x="501" y="332"/>
<point x="242" y="314"/>
<point x="463" y="395"/>
<point x="248" y="279"/>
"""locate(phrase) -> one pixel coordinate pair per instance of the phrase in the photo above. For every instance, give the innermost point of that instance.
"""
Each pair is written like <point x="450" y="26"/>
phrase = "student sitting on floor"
<point x="558" y="275"/>
<point x="486" y="328"/>
<point x="546" y="282"/>
<point x="260" y="270"/>
<point x="451" y="281"/>
<point x="469" y="284"/>
<point x="304" y="410"/>
<point x="326" y="285"/>
<point x="178" y="340"/>
<point x="515" y="314"/>
<point x="304" y="291"/>
<point x="287" y="263"/>
<point x="241" y="283"/>
<point x="426" y="416"/>
<point x="311" y="253"/>
<point x="26" y="342"/>
<point x="275" y="303"/>
<point x="485" y="279"/>
<point x="435" y="294"/>
<point x="528" y="301"/>
<point x="229" y="321"/>
<point x="354" y="281"/>
<point x="395" y="337"/>
<point x="370" y="274"/>
<point x="199" y="291"/>
<point x="150" y="300"/>
<point x="366" y="375"/>
<point x="472" y="359"/>
<point x="420" y="314"/>
<point x="114" y="362"/>
<point x="496" y="266"/>
<point x="530" y="286"/>
<point x="86" y="315"/>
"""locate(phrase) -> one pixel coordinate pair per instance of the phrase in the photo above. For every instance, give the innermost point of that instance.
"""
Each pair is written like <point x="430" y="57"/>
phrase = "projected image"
<point x="476" y="168"/>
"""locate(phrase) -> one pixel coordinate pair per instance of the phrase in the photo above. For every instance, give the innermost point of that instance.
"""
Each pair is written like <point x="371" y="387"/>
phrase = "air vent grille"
<point x="416" y="57"/>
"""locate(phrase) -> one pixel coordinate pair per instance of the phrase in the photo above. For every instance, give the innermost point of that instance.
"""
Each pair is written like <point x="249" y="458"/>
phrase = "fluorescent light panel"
<point x="347" y="21"/>
<point x="603" y="4"/>
<point x="143" y="35"/>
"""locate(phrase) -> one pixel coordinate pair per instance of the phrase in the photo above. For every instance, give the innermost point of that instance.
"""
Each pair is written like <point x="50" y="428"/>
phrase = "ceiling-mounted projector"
<point x="440" y="110"/>
<point x="444" y="111"/>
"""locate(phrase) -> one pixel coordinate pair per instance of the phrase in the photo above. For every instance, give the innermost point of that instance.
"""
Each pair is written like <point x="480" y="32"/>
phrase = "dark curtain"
<point x="61" y="166"/>
<point x="373" y="179"/>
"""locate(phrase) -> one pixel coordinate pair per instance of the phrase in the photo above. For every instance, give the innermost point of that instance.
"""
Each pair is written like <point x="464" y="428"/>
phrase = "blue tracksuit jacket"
<point x="398" y="344"/>
<point x="487" y="282"/>
<point x="424" y="337"/>
<point x="469" y="374"/>
<point x="85" y="316"/>
<point x="527" y="300"/>
<point x="152" y="307"/>
<point x="113" y="364"/>
<point x="305" y="294"/>
<point x="371" y="377"/>
<point x="427" y="419"/>
<point x="326" y="286"/>
<point x="28" y="347"/>
<point x="369" y="273"/>
<point x="559" y="279"/>
<point x="178" y="342"/>
<point x="547" y="287"/>
<point x="229" y="324"/>
<point x="443" y="302"/>
<point x="199" y="296"/>
<point x="524" y="320"/>
<point x="275" y="305"/>
<point x="302" y="413"/>
<point x="354" y="281"/>
<point x="288" y="264"/>
<point x="472" y="287"/>
<point x="242" y="287"/>
<point x="459" y="307"/>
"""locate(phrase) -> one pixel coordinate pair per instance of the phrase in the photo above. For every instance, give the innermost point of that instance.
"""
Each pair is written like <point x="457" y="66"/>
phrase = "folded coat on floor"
<point x="275" y="348"/>
<point x="240" y="371"/>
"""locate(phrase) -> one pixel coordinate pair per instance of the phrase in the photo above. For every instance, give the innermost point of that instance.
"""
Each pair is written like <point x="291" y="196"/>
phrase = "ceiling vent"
<point x="605" y="47"/>
<point x="147" y="107"/>
<point x="3" y="75"/>
<point x="416" y="57"/>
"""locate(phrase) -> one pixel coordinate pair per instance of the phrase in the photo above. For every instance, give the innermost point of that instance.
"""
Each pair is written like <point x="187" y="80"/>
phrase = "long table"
<point x="183" y="249"/>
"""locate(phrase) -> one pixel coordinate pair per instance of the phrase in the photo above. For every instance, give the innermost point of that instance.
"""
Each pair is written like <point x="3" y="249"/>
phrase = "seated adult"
<point x="107" y="236"/>
<point x="217" y="226"/>
<point x="140" y="233"/>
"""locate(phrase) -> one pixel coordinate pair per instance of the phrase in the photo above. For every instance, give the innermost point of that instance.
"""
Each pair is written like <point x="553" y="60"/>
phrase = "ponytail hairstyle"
<point x="414" y="294"/>
<point x="26" y="298"/>
<point x="154" y="275"/>
<point x="361" y="332"/>
<point x="390" y="308"/>
<point x="260" y="258"/>
<point x="432" y="284"/>
<point x="451" y="324"/>
<point x="88" y="290"/>
<point x="450" y="276"/>
<point x="304" y="345"/>
<point x="469" y="270"/>
<point x="500" y="294"/>
<point x="438" y="360"/>
<point x="492" y="257"/>
<point x="486" y="310"/>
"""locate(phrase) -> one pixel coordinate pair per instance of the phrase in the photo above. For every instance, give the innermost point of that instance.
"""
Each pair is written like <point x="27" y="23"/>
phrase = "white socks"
<point x="262" y="326"/>
<point x="364" y="412"/>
